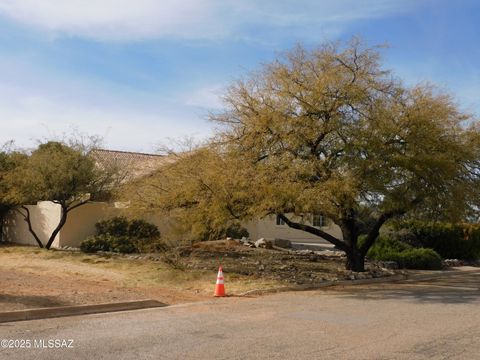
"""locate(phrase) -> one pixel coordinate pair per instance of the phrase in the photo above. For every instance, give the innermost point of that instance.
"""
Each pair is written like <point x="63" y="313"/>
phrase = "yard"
<point x="33" y="277"/>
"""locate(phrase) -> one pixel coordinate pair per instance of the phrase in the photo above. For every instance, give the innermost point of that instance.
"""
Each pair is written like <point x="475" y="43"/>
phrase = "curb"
<point x="44" y="313"/>
<point x="384" y="279"/>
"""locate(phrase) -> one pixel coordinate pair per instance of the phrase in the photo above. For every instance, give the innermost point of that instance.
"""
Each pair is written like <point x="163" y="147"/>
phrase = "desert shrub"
<point x="96" y="243"/>
<point x="122" y="226"/>
<point x="451" y="241"/>
<point x="408" y="257"/>
<point x="107" y="242"/>
<point x="124" y="244"/>
<point x="236" y="231"/>
<point x="116" y="226"/>
<point x="122" y="235"/>
<point x="141" y="229"/>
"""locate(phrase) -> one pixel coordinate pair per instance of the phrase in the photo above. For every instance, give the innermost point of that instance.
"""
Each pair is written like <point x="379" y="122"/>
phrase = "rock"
<point x="313" y="258"/>
<point x="263" y="243"/>
<point x="453" y="262"/>
<point x="244" y="239"/>
<point x="261" y="267"/>
<point x="283" y="243"/>
<point x="388" y="264"/>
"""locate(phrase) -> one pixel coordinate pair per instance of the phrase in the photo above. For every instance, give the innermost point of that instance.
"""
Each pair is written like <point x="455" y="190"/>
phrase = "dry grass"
<point x="58" y="277"/>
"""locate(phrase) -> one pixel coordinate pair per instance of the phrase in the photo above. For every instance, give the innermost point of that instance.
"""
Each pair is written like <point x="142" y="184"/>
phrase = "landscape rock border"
<point x="384" y="279"/>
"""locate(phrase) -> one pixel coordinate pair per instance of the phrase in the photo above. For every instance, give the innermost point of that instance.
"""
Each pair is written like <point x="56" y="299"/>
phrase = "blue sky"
<point x="140" y="72"/>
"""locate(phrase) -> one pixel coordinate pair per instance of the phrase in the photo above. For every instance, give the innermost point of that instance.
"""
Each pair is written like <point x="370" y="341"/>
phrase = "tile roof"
<point x="135" y="163"/>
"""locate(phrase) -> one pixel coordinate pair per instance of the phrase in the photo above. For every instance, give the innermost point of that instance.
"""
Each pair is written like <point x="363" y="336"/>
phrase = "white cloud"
<point x="194" y="19"/>
<point x="208" y="98"/>
<point x="29" y="113"/>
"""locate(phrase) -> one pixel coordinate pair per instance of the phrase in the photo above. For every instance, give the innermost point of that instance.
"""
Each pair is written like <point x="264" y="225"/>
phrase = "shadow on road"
<point x="454" y="289"/>
<point x="23" y="301"/>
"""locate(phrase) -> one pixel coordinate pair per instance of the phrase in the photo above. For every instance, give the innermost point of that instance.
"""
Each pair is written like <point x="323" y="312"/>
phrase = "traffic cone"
<point x="220" y="285"/>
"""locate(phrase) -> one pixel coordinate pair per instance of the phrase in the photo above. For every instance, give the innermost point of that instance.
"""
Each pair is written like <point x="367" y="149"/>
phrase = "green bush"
<point x="406" y="256"/>
<point x="121" y="226"/>
<point x="124" y="244"/>
<point x="96" y="243"/>
<point x="106" y="242"/>
<point x="451" y="241"/>
<point x="116" y="226"/>
<point x="417" y="258"/>
<point x="236" y="231"/>
<point x="122" y="235"/>
<point x="140" y="229"/>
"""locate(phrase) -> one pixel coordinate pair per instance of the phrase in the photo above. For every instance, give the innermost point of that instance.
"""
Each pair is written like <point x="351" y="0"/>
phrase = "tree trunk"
<point x="27" y="219"/>
<point x="355" y="261"/>
<point x="63" y="220"/>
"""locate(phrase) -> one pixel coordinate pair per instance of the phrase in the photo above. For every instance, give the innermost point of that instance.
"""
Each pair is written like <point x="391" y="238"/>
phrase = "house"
<point x="81" y="221"/>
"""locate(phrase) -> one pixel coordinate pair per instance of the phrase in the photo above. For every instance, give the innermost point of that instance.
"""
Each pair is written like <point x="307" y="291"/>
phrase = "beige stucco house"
<point x="81" y="221"/>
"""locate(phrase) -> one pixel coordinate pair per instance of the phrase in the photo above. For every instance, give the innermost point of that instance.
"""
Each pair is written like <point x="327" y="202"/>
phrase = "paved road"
<point x="431" y="320"/>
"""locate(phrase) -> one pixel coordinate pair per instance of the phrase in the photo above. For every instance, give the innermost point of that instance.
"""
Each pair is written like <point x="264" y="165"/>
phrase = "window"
<point x="319" y="220"/>
<point x="280" y="221"/>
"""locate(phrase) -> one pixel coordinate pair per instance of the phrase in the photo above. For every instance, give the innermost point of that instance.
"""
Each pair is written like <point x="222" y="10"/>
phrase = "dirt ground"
<point x="33" y="278"/>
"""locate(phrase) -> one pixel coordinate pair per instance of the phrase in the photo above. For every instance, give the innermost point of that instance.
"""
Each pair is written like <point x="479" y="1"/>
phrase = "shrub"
<point x="140" y="229"/>
<point x="96" y="243"/>
<point x="408" y="257"/>
<point x="121" y="226"/>
<point x="236" y="231"/>
<point x="116" y="226"/>
<point x="122" y="235"/>
<point x="451" y="241"/>
<point x="123" y="244"/>
<point x="417" y="258"/>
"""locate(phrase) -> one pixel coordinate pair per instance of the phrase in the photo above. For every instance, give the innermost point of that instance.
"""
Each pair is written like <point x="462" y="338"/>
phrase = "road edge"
<point x="53" y="312"/>
<point x="343" y="283"/>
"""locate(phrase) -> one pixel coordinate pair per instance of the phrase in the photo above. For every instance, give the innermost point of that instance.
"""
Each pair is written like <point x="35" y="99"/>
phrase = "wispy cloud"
<point x="34" y="107"/>
<point x="125" y="20"/>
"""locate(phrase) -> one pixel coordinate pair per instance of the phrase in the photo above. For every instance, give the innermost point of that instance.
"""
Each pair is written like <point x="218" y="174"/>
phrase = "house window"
<point x="280" y="221"/>
<point x="319" y="220"/>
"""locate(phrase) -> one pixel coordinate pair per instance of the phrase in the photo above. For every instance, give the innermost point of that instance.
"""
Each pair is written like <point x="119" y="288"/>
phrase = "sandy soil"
<point x="28" y="281"/>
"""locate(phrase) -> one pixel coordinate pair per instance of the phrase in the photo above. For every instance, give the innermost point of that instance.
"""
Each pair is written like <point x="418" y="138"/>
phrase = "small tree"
<point x="329" y="131"/>
<point x="65" y="174"/>
<point x="9" y="161"/>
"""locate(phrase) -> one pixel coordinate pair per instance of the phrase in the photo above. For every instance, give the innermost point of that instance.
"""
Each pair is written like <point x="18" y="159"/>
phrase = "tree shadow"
<point x="456" y="289"/>
<point x="31" y="301"/>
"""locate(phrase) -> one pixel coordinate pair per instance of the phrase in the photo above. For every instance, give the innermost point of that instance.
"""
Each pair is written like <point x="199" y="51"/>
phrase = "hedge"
<point x="404" y="255"/>
<point x="451" y="241"/>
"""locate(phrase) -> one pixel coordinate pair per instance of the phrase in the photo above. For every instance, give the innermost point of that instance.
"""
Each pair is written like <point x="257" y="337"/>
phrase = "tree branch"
<point x="27" y="219"/>
<point x="313" y="230"/>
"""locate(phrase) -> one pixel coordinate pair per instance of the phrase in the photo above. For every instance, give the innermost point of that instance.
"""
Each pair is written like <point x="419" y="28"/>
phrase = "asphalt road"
<point x="437" y="319"/>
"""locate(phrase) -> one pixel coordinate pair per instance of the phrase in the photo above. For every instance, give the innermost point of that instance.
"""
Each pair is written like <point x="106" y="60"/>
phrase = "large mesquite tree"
<point x="331" y="131"/>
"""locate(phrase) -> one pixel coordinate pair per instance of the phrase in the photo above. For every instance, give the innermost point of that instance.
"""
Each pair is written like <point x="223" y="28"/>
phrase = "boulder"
<point x="263" y="243"/>
<point x="283" y="243"/>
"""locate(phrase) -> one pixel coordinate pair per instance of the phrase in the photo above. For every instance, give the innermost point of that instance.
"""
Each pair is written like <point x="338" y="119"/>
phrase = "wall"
<point x="81" y="222"/>
<point x="267" y="228"/>
<point x="44" y="218"/>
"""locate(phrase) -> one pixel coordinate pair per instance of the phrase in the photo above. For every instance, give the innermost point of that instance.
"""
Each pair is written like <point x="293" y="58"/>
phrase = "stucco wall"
<point x="81" y="222"/>
<point x="44" y="218"/>
<point x="267" y="228"/>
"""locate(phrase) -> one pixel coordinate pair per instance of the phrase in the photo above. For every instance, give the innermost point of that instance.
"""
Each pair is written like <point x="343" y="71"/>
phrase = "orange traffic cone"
<point x="220" y="286"/>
